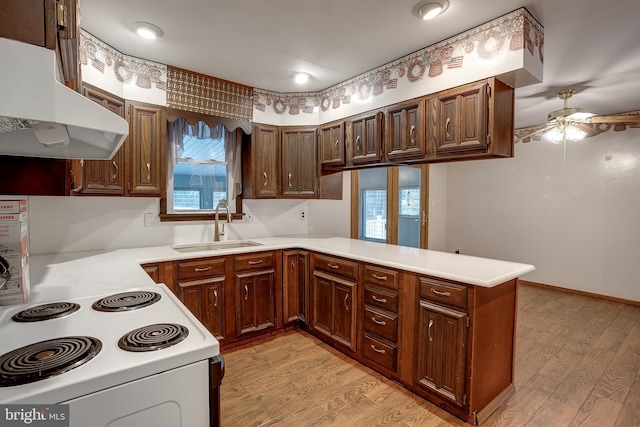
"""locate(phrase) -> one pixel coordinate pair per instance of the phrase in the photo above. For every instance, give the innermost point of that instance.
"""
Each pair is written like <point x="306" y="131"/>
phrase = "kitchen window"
<point x="204" y="168"/>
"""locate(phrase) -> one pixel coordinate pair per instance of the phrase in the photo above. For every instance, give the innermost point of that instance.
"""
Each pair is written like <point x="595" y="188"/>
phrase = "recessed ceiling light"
<point x="146" y="30"/>
<point x="300" y="77"/>
<point x="429" y="9"/>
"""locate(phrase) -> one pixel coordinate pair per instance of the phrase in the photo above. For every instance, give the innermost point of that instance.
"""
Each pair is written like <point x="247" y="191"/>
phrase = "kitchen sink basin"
<point x="214" y="246"/>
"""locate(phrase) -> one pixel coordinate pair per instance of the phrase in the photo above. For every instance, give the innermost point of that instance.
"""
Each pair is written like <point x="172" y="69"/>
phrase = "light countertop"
<point x="66" y="275"/>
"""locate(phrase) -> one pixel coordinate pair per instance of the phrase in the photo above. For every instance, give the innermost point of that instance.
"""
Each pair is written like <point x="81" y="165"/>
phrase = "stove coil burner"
<point x="45" y="359"/>
<point x="153" y="337"/>
<point x="46" y="312"/>
<point x="126" y="301"/>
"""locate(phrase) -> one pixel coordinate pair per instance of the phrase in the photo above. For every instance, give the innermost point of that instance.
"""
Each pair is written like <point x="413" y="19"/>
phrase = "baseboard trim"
<point x="577" y="292"/>
<point x="482" y="415"/>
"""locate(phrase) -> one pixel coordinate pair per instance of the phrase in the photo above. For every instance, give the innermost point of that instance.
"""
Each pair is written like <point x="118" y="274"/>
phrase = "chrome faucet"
<point x="216" y="231"/>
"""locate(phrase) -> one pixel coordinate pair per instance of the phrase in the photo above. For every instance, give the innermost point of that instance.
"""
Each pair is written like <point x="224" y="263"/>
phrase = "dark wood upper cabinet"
<point x="332" y="144"/>
<point x="261" y="163"/>
<point x="365" y="138"/>
<point x="145" y="149"/>
<point x="473" y="121"/>
<point x="299" y="153"/>
<point x="406" y="130"/>
<point x="101" y="176"/>
<point x="29" y="21"/>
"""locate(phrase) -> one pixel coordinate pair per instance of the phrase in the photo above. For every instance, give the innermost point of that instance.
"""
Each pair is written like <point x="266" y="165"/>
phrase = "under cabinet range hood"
<point x="40" y="117"/>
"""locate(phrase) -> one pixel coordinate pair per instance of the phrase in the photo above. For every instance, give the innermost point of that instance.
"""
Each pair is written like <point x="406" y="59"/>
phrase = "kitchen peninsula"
<point x="440" y="324"/>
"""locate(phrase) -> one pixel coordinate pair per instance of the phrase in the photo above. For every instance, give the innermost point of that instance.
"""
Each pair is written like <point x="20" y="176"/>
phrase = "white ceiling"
<point x="590" y="45"/>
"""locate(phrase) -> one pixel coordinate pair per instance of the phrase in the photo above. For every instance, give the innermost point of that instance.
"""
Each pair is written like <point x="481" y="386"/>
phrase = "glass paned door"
<point x="411" y="206"/>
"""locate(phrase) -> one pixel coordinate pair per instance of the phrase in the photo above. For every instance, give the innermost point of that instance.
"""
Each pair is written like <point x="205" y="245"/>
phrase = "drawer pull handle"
<point x="446" y="127"/>
<point x="264" y="184"/>
<point x="412" y="134"/>
<point x="346" y="298"/>
<point x="377" y="299"/>
<point x="334" y="266"/>
<point x="440" y="293"/>
<point x="215" y="297"/>
<point x="115" y="173"/>
<point x="290" y="185"/>
<point x="255" y="262"/>
<point x="378" y="322"/>
<point x="429" y="331"/>
<point x="201" y="269"/>
<point x="375" y="276"/>
<point x="377" y="350"/>
<point x="358" y="143"/>
<point x="246" y="292"/>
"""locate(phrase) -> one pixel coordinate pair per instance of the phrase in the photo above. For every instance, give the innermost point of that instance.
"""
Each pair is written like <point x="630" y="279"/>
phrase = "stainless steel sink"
<point x="214" y="246"/>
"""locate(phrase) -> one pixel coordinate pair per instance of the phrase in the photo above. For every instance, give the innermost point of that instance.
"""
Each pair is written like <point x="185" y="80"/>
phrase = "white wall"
<point x="575" y="216"/>
<point x="332" y="217"/>
<point x="70" y="224"/>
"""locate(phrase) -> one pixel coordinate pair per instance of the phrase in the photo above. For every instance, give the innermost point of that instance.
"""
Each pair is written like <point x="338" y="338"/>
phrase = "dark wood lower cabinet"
<point x="442" y="338"/>
<point x="449" y="342"/>
<point x="205" y="299"/>
<point x="255" y="301"/>
<point x="334" y="309"/>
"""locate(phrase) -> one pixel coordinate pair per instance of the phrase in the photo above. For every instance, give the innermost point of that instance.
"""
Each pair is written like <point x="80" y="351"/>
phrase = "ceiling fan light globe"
<point x="573" y="133"/>
<point x="554" y="135"/>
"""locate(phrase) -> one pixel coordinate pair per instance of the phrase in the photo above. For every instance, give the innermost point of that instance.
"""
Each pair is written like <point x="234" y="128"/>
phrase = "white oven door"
<point x="176" y="398"/>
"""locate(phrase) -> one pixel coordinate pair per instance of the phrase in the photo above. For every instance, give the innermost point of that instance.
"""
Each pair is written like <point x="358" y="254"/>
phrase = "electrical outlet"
<point x="248" y="216"/>
<point x="457" y="250"/>
<point x="148" y="219"/>
<point x="303" y="214"/>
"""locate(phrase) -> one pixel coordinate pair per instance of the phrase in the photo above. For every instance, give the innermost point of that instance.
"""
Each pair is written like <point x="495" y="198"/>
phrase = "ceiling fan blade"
<point x="629" y="118"/>
<point x="588" y="129"/>
<point x="527" y="137"/>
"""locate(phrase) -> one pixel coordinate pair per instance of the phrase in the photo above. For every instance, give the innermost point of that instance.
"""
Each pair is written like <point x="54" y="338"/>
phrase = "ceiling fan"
<point x="574" y="124"/>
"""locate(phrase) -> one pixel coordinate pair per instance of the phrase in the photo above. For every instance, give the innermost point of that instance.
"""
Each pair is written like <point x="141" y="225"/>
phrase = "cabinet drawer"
<point x="449" y="293"/>
<point x="336" y="265"/>
<point x="379" y="352"/>
<point x="384" y="325"/>
<point x="254" y="261"/>
<point x="381" y="276"/>
<point x="381" y="298"/>
<point x="201" y="268"/>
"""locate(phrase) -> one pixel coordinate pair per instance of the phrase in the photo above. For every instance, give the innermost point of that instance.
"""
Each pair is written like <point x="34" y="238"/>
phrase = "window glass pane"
<point x="374" y="207"/>
<point x="409" y="202"/>
<point x="206" y="179"/>
<point x="186" y="199"/>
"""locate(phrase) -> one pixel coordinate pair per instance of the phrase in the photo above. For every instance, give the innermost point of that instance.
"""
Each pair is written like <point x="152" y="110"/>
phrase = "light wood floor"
<point x="577" y="364"/>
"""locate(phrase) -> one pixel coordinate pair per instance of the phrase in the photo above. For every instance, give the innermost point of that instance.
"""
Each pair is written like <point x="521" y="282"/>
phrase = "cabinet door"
<point x="344" y="321"/>
<point x="145" y="149"/>
<point x="365" y="139"/>
<point x="406" y="130"/>
<point x="265" y="161"/>
<point x="332" y="144"/>
<point x="291" y="286"/>
<point x="442" y="351"/>
<point x="102" y="176"/>
<point x="322" y="303"/>
<point x="299" y="163"/>
<point x="30" y="21"/>
<point x="191" y="295"/>
<point x="255" y="301"/>
<point x="334" y="308"/>
<point x="213" y="300"/>
<point x="462" y="119"/>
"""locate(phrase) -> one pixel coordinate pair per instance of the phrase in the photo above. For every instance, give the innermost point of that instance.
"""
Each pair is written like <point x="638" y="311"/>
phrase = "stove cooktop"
<point x="111" y="365"/>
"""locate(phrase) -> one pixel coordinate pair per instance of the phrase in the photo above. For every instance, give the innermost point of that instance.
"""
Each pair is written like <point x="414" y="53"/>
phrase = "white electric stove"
<point x="130" y="358"/>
